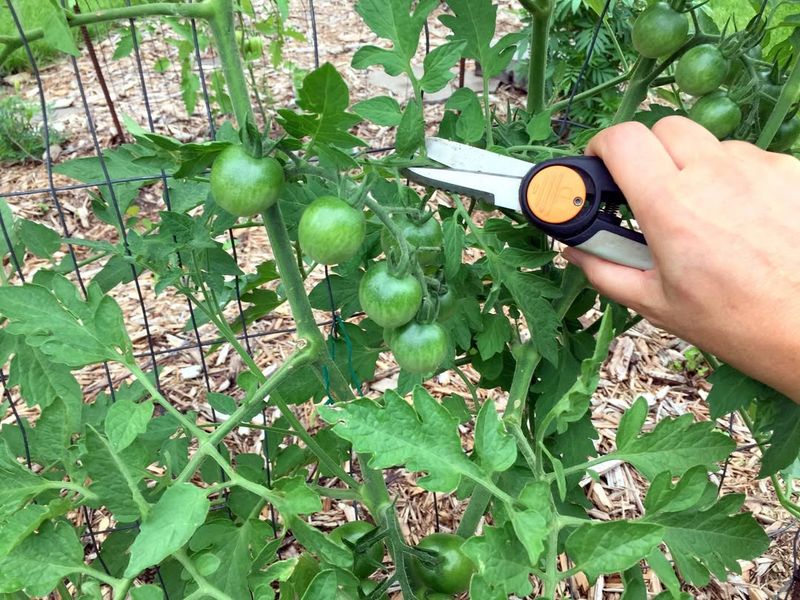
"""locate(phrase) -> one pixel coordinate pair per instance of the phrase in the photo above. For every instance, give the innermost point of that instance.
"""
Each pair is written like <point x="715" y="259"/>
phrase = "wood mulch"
<point x="644" y="362"/>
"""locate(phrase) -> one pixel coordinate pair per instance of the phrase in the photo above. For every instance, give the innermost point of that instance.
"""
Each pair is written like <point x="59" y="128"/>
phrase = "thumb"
<point x="631" y="287"/>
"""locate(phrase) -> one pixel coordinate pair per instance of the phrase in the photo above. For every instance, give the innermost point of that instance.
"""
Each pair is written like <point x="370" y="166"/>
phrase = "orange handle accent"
<point x="556" y="194"/>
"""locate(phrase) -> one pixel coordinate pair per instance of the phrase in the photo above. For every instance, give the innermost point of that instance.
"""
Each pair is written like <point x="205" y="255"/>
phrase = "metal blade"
<point x="467" y="158"/>
<point x="500" y="190"/>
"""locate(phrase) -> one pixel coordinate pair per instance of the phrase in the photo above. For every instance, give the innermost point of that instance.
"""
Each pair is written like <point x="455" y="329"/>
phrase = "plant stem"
<point x="478" y="503"/>
<point x="537" y="66"/>
<point x="556" y="106"/>
<point x="205" y="586"/>
<point x="528" y="358"/>
<point x="636" y="92"/>
<point x="487" y="113"/>
<point x="200" y="10"/>
<point x="551" y="577"/>
<point x="789" y="95"/>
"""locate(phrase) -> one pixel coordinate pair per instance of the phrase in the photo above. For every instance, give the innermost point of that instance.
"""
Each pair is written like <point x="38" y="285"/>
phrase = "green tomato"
<point x="331" y="231"/>
<point x="717" y="113"/>
<point x="388" y="300"/>
<point x="447" y="304"/>
<point x="787" y="135"/>
<point x="659" y="30"/>
<point x="701" y="70"/>
<point x="363" y="564"/>
<point x="418" y="235"/>
<point x="245" y="186"/>
<point x="768" y="97"/>
<point x="420" y="347"/>
<point x="452" y="573"/>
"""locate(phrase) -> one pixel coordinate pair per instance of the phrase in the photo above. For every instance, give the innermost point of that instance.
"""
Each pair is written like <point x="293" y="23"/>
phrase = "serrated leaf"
<point x="473" y="23"/>
<point x="40" y="562"/>
<point x="495" y="335"/>
<point x="381" y="110"/>
<point x="42" y="380"/>
<point x="318" y="543"/>
<point x="411" y="131"/>
<point x="733" y="390"/>
<point x="125" y="420"/>
<point x="367" y="56"/>
<point x="115" y="478"/>
<point x="395" y="21"/>
<point x="40" y="240"/>
<point x="501" y="561"/>
<point x="539" y="127"/>
<point x="533" y="524"/>
<point x="453" y="241"/>
<point x="689" y="491"/>
<point x="18" y="484"/>
<point x="495" y="447"/>
<point x="784" y="443"/>
<point x="422" y="437"/>
<point x="574" y="404"/>
<point x="438" y="66"/>
<point x="631" y="422"/>
<point x="611" y="546"/>
<point x="26" y="521"/>
<point x="222" y="403"/>
<point x="65" y="328"/>
<point x="168" y="527"/>
<point x="711" y="540"/>
<point x="676" y="445"/>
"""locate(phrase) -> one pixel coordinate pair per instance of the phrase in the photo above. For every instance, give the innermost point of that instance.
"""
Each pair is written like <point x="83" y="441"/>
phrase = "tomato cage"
<point x="110" y="127"/>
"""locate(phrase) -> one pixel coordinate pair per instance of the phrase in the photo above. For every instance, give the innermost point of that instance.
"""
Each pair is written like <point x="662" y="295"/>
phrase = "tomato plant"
<point x="445" y="283"/>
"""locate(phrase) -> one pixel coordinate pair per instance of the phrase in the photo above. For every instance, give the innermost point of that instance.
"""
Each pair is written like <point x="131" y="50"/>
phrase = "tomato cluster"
<point x="720" y="75"/>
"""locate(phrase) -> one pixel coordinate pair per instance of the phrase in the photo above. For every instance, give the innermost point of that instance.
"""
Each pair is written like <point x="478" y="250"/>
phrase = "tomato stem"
<point x="537" y="65"/>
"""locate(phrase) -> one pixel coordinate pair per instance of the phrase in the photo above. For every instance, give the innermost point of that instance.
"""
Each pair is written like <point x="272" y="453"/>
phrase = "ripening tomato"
<point x="331" y="231"/>
<point x="420" y="347"/>
<point x="243" y="185"/>
<point x="659" y="30"/>
<point x="454" y="569"/>
<point x="389" y="300"/>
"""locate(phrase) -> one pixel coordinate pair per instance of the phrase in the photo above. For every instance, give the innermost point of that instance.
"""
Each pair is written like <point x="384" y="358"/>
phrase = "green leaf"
<point x="394" y="20"/>
<point x="539" y="127"/>
<point x="712" y="540"/>
<point x="42" y="380"/>
<point x="381" y="110"/>
<point x="411" y="132"/>
<point x="147" y="592"/>
<point x="320" y="544"/>
<point x="323" y="587"/>
<point x="40" y="240"/>
<point x="65" y="328"/>
<point x="692" y="489"/>
<point x="784" y="444"/>
<point x="170" y="525"/>
<point x="39" y="563"/>
<point x="611" y="546"/>
<point x="635" y="588"/>
<point x="18" y="484"/>
<point x="473" y="23"/>
<point x="367" y="56"/>
<point x="470" y="125"/>
<point x="324" y="97"/>
<point x="631" y="422"/>
<point x="125" y="420"/>
<point x="533" y="524"/>
<point x="574" y="404"/>
<point x="422" y="437"/>
<point x="676" y="445"/>
<point x="115" y="478"/>
<point x="453" y="240"/>
<point x="501" y="561"/>
<point x="56" y="29"/>
<point x="222" y="403"/>
<point x="51" y="439"/>
<point x="26" y="521"/>
<point x="496" y="333"/>
<point x="664" y="571"/>
<point x="438" y="66"/>
<point x="495" y="447"/>
<point x="733" y="390"/>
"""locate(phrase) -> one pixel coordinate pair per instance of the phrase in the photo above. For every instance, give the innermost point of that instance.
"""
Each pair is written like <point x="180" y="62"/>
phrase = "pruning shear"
<point x="572" y="199"/>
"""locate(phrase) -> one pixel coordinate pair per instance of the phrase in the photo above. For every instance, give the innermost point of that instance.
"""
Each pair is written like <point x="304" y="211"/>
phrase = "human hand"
<point x="722" y="222"/>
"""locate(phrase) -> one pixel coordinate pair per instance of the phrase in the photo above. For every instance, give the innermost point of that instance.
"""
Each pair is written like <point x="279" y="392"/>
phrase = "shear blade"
<point x="500" y="190"/>
<point x="467" y="158"/>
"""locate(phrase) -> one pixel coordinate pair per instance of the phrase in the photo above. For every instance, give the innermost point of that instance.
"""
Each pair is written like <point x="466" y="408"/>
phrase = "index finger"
<point x="638" y="162"/>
